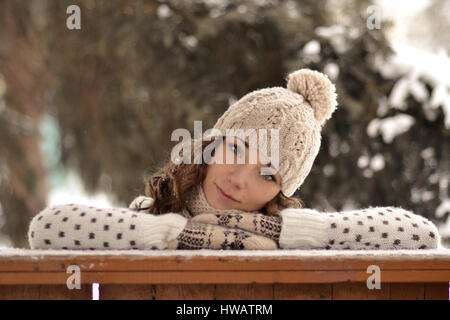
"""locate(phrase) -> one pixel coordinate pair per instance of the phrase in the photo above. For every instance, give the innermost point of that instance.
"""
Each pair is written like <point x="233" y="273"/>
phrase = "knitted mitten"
<point x="267" y="226"/>
<point x="209" y="236"/>
<point x="82" y="227"/>
<point x="383" y="228"/>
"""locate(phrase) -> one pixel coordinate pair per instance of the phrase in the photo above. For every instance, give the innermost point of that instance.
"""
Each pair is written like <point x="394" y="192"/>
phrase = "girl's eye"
<point x="236" y="150"/>
<point x="272" y="178"/>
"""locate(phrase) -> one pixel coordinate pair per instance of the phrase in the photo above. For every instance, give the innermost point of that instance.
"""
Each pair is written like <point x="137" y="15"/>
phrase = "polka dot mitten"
<point x="82" y="227"/>
<point x="375" y="228"/>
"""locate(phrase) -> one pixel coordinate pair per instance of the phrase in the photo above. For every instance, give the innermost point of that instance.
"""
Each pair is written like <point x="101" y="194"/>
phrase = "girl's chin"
<point x="217" y="204"/>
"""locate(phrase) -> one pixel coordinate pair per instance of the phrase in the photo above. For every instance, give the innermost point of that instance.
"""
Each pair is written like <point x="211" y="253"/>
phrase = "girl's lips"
<point x="224" y="195"/>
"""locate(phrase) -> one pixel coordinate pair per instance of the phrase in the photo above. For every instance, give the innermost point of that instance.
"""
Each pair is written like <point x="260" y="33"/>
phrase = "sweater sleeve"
<point x="85" y="227"/>
<point x="373" y="228"/>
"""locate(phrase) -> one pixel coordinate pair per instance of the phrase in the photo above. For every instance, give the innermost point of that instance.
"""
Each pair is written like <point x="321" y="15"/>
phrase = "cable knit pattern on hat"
<point x="298" y="112"/>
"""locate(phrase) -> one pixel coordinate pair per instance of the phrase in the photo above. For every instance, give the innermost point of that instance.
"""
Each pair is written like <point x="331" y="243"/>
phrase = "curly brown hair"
<point x="170" y="184"/>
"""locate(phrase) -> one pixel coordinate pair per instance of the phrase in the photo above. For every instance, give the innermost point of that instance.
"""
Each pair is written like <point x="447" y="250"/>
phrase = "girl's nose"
<point x="239" y="176"/>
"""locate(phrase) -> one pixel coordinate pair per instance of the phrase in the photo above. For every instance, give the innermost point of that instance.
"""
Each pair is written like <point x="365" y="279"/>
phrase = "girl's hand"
<point x="258" y="223"/>
<point x="141" y="203"/>
<point x="211" y="236"/>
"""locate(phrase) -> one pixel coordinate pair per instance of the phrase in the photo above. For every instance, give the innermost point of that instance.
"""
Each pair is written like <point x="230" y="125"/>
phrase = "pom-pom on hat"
<point x="299" y="112"/>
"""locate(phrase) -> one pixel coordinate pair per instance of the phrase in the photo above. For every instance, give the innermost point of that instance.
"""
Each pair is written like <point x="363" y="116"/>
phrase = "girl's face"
<point x="249" y="188"/>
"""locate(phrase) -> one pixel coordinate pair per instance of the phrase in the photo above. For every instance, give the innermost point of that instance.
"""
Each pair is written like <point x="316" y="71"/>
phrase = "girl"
<point x="244" y="205"/>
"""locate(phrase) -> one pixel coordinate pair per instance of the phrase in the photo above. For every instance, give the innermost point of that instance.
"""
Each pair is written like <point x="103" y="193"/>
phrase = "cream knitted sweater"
<point x="204" y="227"/>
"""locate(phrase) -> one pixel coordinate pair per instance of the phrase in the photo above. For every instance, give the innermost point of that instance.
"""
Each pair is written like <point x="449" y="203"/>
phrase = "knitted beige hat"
<point x="299" y="112"/>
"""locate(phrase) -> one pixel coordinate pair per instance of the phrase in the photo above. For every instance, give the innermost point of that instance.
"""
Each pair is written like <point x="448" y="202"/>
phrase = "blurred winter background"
<point x="85" y="113"/>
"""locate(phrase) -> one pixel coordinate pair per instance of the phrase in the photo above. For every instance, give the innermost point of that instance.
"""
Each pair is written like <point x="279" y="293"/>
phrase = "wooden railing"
<point x="223" y="275"/>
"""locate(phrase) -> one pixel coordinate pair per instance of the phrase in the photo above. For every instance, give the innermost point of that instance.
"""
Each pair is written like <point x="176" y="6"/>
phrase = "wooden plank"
<point x="126" y="292"/>
<point x="302" y="291"/>
<point x="359" y="291"/>
<point x="61" y="292"/>
<point x="184" y="292"/>
<point x="253" y="291"/>
<point x="224" y="277"/>
<point x="407" y="291"/>
<point x="19" y="292"/>
<point x="44" y="292"/>
<point x="437" y="291"/>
